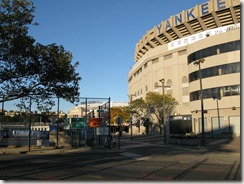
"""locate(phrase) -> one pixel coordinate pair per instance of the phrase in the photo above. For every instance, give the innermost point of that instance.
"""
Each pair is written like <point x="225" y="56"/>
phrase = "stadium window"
<point x="169" y="90"/>
<point x="236" y="67"/>
<point x="191" y="58"/>
<point x="237" y="45"/>
<point x="209" y="51"/>
<point x="140" y="70"/>
<point x="226" y="69"/>
<point x="230" y="46"/>
<point x="169" y="82"/>
<point x="194" y="96"/>
<point x="192" y="76"/>
<point x="203" y="53"/>
<point x="215" y="92"/>
<point x="145" y="65"/>
<point x="182" y="52"/>
<point x="168" y="56"/>
<point x="215" y="50"/>
<point x="155" y="85"/>
<point x="184" y="80"/>
<point x="156" y="60"/>
<point x="222" y="48"/>
<point x="185" y="91"/>
<point x="198" y="55"/>
<point x="227" y="91"/>
<point x="235" y="90"/>
<point x="206" y="93"/>
<point x="204" y="73"/>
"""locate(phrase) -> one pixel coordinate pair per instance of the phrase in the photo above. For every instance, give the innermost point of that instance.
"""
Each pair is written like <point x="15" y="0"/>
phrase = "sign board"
<point x="102" y="130"/>
<point x="53" y="128"/>
<point x="119" y="120"/>
<point x="199" y="36"/>
<point x="100" y="110"/>
<point x="178" y="117"/>
<point x="96" y="122"/>
<point x="77" y="123"/>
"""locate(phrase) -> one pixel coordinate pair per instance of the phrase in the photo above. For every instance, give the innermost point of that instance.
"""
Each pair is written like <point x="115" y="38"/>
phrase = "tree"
<point x="155" y="104"/>
<point x="138" y="108"/>
<point x="152" y="106"/>
<point x="30" y="68"/>
<point x="119" y="111"/>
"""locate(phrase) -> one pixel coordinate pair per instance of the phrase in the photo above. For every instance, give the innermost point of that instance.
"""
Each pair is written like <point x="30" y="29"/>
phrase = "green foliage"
<point x="153" y="106"/>
<point x="28" y="67"/>
<point x="138" y="108"/>
<point x="119" y="111"/>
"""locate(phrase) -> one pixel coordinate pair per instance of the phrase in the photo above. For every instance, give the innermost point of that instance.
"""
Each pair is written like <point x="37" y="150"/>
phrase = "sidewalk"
<point x="96" y="149"/>
<point x="54" y="150"/>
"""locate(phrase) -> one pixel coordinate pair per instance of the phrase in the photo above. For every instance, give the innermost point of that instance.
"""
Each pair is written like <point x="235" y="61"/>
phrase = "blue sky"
<point x="102" y="35"/>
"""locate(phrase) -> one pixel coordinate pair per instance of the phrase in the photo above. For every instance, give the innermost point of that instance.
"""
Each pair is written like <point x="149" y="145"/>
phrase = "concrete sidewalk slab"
<point x="217" y="142"/>
<point x="53" y="150"/>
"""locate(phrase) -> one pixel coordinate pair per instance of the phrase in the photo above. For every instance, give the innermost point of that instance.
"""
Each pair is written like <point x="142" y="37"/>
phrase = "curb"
<point x="60" y="151"/>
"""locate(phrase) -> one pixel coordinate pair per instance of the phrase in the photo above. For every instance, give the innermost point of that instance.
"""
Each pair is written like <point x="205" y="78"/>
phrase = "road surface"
<point x="144" y="158"/>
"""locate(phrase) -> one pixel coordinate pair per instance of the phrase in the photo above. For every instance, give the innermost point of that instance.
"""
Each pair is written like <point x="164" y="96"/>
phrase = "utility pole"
<point x="203" y="142"/>
<point x="164" y="119"/>
<point x="57" y="123"/>
<point x="131" y="115"/>
<point x="29" y="136"/>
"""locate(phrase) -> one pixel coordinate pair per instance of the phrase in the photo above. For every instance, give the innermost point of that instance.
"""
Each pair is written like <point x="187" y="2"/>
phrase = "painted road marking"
<point x="218" y="141"/>
<point x="128" y="154"/>
<point x="134" y="156"/>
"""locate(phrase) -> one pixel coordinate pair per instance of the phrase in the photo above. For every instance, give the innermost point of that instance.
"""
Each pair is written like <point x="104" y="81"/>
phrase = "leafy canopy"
<point x="28" y="67"/>
<point x="152" y="106"/>
<point x="119" y="111"/>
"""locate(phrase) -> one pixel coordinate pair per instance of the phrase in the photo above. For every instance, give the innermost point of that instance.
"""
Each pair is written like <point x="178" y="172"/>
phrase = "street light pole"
<point x="131" y="116"/>
<point x="217" y="98"/>
<point x="164" y="119"/>
<point x="86" y="124"/>
<point x="203" y="142"/>
<point x="29" y="135"/>
<point x="162" y="81"/>
<point x="2" y="115"/>
<point x="57" y="124"/>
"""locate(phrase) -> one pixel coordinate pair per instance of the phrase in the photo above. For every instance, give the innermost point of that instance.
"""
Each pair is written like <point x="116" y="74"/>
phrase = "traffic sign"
<point x="96" y="122"/>
<point x="77" y="123"/>
<point x="100" y="110"/>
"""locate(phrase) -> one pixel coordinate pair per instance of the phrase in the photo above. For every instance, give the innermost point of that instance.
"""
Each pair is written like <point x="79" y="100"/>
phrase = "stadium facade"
<point x="172" y="49"/>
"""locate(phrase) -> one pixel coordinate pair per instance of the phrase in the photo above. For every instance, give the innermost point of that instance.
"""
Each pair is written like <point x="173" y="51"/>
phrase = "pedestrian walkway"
<point x="218" y="141"/>
<point x="54" y="150"/>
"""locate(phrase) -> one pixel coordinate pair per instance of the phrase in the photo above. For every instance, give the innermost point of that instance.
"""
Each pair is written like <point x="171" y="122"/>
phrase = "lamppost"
<point x="57" y="124"/>
<point x="198" y="62"/>
<point x="164" y="123"/>
<point x="2" y="115"/>
<point x="217" y="99"/>
<point x="29" y="135"/>
<point x="131" y="115"/>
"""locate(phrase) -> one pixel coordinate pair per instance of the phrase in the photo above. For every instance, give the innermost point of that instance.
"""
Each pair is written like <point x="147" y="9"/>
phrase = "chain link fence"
<point x="54" y="122"/>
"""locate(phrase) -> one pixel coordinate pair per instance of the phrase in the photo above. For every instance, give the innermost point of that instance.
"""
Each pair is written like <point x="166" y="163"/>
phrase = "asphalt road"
<point x="144" y="158"/>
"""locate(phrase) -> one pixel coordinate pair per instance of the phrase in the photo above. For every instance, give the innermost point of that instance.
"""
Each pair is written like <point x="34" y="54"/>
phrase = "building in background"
<point x="92" y="107"/>
<point x="209" y="31"/>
